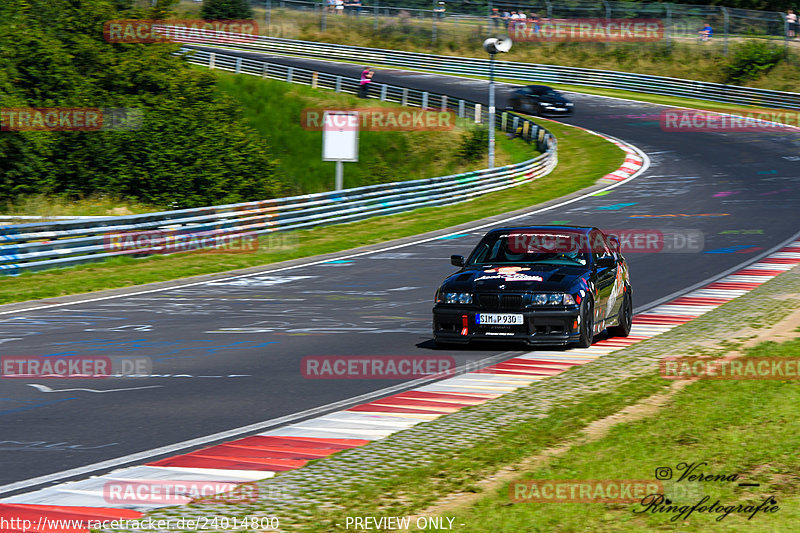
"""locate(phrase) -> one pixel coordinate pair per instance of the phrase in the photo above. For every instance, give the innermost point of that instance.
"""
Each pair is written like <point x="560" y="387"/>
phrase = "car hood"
<point x="533" y="278"/>
<point x="553" y="99"/>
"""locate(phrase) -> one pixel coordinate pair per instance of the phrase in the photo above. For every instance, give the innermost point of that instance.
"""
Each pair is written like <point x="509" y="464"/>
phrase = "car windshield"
<point x="520" y="248"/>
<point x="545" y="91"/>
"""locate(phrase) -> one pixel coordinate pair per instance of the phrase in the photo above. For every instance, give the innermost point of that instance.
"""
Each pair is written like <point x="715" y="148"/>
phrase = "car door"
<point x="605" y="277"/>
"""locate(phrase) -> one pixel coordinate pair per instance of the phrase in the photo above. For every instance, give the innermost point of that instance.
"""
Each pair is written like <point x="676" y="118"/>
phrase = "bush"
<point x="752" y="59"/>
<point x="226" y="10"/>
<point x="474" y="144"/>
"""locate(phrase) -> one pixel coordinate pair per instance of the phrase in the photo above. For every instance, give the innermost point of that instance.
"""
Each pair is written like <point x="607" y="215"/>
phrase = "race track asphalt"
<point x="228" y="353"/>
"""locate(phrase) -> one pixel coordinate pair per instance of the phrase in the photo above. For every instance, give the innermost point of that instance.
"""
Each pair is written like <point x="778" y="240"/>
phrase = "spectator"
<point x="366" y="79"/>
<point x="791" y="20"/>
<point x="439" y="10"/>
<point x="339" y="7"/>
<point x="706" y="33"/>
<point x="522" y="19"/>
<point x="495" y="16"/>
<point x="513" y="22"/>
<point x="535" y="23"/>
<point x="506" y="19"/>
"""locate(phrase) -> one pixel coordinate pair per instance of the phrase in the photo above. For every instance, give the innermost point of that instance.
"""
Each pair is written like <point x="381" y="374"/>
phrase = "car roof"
<point x="571" y="229"/>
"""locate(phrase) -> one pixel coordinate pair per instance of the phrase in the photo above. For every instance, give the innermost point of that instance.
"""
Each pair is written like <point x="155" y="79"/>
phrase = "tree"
<point x="226" y="10"/>
<point x="193" y="147"/>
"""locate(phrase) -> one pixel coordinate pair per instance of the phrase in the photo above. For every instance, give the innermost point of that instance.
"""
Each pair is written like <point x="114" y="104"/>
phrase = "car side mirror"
<point x="613" y="241"/>
<point x="457" y="260"/>
<point x="606" y="261"/>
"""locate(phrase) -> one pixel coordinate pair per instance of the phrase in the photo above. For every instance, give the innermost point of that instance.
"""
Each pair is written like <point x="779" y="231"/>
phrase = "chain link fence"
<point x="459" y="21"/>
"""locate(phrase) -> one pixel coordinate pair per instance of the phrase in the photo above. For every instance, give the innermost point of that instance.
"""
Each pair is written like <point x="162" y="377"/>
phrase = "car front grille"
<point x="508" y="302"/>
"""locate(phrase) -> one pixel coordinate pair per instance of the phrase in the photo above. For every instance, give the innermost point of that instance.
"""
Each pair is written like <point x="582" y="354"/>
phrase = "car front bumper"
<point x="540" y="326"/>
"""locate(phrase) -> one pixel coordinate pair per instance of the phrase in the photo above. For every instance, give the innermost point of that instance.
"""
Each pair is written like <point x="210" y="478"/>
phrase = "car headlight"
<point x="557" y="298"/>
<point x="569" y="103"/>
<point x="453" y="297"/>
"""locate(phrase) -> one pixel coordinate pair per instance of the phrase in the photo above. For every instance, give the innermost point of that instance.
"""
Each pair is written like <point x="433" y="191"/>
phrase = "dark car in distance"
<point x="552" y="285"/>
<point x="539" y="100"/>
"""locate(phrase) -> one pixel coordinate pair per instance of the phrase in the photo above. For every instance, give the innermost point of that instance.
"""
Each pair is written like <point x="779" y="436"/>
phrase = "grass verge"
<point x="722" y="427"/>
<point x="583" y="159"/>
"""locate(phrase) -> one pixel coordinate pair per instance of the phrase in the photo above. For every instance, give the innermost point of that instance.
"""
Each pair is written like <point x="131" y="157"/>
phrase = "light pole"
<point x="494" y="45"/>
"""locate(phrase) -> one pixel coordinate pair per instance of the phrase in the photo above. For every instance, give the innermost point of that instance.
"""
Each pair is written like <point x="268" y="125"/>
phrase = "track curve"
<point x="227" y="353"/>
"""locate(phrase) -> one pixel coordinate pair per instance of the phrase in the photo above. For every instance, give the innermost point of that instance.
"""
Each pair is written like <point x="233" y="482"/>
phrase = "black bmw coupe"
<point x="541" y="285"/>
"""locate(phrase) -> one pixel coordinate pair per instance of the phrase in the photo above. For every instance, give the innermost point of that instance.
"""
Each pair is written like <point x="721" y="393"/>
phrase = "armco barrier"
<point x="44" y="245"/>
<point x="525" y="72"/>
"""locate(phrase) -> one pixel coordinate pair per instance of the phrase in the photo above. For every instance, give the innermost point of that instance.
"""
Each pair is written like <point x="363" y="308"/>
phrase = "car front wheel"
<point x="625" y="318"/>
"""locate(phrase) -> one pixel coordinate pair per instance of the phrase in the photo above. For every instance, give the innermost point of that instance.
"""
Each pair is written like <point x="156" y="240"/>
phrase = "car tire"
<point x="537" y="110"/>
<point x="625" y="318"/>
<point x="587" y="323"/>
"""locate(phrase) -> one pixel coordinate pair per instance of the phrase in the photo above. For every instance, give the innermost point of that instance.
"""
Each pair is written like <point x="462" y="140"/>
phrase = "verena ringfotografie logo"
<point x="70" y="119"/>
<point x="730" y="121"/>
<point x="582" y="490"/>
<point x="170" y="242"/>
<point x="630" y="241"/>
<point x="588" y="30"/>
<point x="179" y="30"/>
<point x="375" y="367"/>
<point x="777" y="368"/>
<point x="378" y="119"/>
<point x="169" y="492"/>
<point x="93" y="367"/>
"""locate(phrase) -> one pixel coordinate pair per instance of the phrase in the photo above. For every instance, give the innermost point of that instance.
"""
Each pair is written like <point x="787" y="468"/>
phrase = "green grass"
<point x="746" y="428"/>
<point x="583" y="158"/>
<point x="274" y="108"/>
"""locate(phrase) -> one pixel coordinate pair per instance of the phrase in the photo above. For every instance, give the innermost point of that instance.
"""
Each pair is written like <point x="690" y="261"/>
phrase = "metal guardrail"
<point x="45" y="245"/>
<point x="524" y="72"/>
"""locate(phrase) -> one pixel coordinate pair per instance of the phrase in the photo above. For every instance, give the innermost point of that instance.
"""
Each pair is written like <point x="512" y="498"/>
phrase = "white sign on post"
<point x="340" y="136"/>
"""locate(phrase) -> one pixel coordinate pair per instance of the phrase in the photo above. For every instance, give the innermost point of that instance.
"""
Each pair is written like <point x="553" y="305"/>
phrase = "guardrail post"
<point x="503" y="121"/>
<point x="525" y="129"/>
<point x="211" y="57"/>
<point x="238" y="65"/>
<point x="424" y="100"/>
<point x="375" y="11"/>
<point x="515" y="125"/>
<point x="314" y="76"/>
<point x="289" y="73"/>
<point x="338" y="87"/>
<point x="384" y="90"/>
<point x="444" y="103"/>
<point x="477" y="113"/>
<point x="404" y="101"/>
<point x="265" y="70"/>
<point x="461" y="109"/>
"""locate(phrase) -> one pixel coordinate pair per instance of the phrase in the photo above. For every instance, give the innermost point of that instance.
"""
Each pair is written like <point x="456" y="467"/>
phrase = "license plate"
<point x="498" y="319"/>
